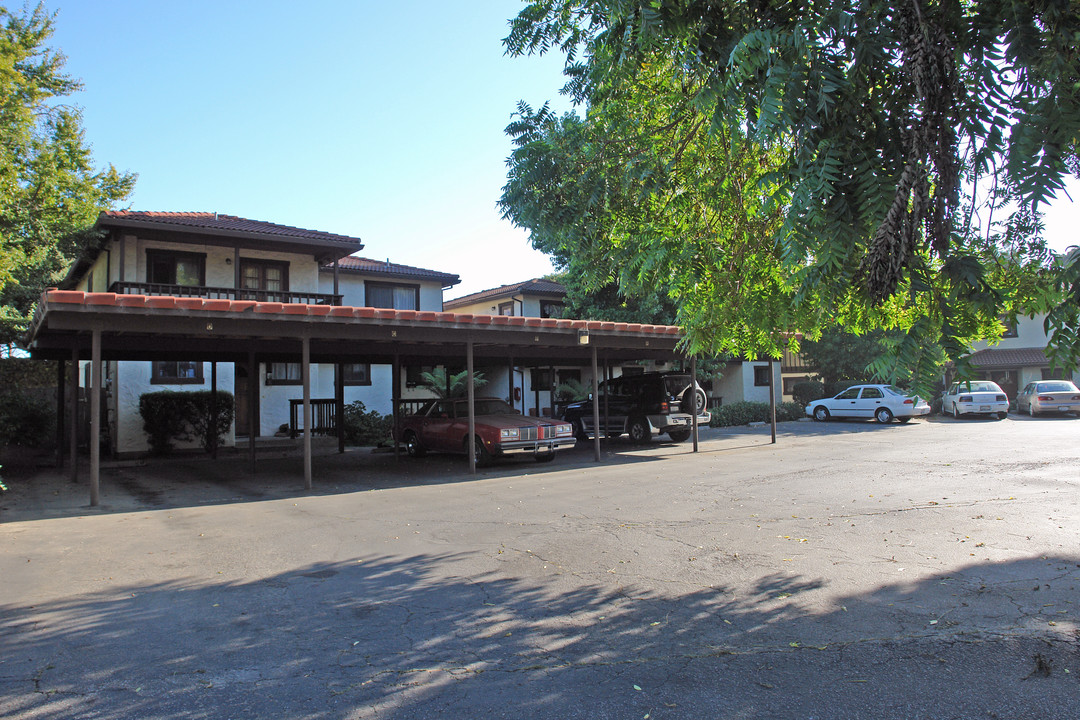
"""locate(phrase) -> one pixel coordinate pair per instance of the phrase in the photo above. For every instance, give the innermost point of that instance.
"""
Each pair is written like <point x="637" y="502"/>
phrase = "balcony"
<point x="224" y="293"/>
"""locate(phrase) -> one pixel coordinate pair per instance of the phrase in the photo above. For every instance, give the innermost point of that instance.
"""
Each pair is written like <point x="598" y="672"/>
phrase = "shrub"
<point x="743" y="413"/>
<point x="170" y="416"/>
<point x="27" y="418"/>
<point x="805" y="392"/>
<point x="366" y="428"/>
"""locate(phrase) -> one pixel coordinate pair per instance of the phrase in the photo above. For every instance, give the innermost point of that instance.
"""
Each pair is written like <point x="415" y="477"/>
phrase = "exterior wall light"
<point x="583" y="337"/>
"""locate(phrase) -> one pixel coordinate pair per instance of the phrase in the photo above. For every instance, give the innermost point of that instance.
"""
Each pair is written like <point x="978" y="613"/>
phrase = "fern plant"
<point x="436" y="382"/>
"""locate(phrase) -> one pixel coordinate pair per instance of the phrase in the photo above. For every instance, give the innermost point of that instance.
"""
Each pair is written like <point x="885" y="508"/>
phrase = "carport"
<point x="75" y="326"/>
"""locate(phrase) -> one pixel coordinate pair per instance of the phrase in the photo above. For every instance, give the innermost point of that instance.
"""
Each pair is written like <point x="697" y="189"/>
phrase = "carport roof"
<point x="1010" y="358"/>
<point x="138" y="327"/>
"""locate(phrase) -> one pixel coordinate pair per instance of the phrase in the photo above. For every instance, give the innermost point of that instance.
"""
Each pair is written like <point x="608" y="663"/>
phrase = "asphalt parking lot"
<point x="852" y="570"/>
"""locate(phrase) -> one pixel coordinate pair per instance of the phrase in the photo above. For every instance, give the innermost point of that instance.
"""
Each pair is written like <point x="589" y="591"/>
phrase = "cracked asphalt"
<point x="852" y="570"/>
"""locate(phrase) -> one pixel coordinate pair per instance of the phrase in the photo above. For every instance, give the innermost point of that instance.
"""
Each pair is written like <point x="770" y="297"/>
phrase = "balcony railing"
<point x="224" y="293"/>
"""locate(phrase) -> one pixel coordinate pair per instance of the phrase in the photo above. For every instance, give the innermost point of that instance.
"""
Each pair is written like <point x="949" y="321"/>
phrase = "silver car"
<point x="1045" y="396"/>
<point x="975" y="397"/>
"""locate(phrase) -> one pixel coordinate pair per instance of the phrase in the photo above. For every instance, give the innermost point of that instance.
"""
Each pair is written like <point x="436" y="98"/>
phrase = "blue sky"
<point x="381" y="120"/>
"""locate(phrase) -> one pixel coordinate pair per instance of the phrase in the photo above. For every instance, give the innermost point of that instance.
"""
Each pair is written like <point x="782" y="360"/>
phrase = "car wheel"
<point x="1031" y="411"/>
<point x="883" y="415"/>
<point x="905" y="419"/>
<point x="679" y="435"/>
<point x="579" y="431"/>
<point x="482" y="456"/>
<point x="955" y="412"/>
<point x="821" y="413"/>
<point x="1002" y="415"/>
<point x="412" y="445"/>
<point x="545" y="457"/>
<point x="640" y="432"/>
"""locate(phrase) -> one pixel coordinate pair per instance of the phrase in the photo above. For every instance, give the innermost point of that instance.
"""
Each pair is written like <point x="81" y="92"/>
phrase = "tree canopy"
<point x="50" y="193"/>
<point x="781" y="167"/>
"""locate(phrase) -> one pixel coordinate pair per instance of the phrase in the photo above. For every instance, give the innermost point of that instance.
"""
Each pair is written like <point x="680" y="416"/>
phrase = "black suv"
<point x="642" y="405"/>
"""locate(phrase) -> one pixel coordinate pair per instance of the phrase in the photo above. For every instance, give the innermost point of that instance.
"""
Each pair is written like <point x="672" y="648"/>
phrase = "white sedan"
<point x="881" y="402"/>
<point x="975" y="397"/>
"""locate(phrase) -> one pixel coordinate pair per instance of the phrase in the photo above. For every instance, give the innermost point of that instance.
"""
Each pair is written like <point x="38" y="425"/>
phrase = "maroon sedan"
<point x="443" y="426"/>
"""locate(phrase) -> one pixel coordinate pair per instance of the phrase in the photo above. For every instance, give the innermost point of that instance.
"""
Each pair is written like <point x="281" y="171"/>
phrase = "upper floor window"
<point x="175" y="268"/>
<point x="506" y="308"/>
<point x="176" y="373"/>
<point x="761" y="376"/>
<point x="1010" y="327"/>
<point x="388" y="295"/>
<point x="551" y="309"/>
<point x="265" y="275"/>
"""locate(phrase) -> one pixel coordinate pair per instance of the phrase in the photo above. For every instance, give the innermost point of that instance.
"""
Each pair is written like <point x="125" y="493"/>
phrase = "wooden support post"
<point x="305" y="372"/>
<point x="772" y="399"/>
<point x="253" y="415"/>
<point x="73" y="417"/>
<point x="213" y="410"/>
<point x="60" y="382"/>
<point x="95" y="418"/>
<point x="237" y="280"/>
<point x="336" y="284"/>
<point x="395" y="400"/>
<point x="595" y="406"/>
<point x="693" y="402"/>
<point x="472" y="405"/>
<point x="510" y="382"/>
<point x="339" y="400"/>
<point x="607" y="379"/>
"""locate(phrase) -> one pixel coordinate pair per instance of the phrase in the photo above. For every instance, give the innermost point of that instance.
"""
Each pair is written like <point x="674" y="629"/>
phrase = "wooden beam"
<point x="73" y="417"/>
<point x="472" y="405"/>
<point x="95" y="419"/>
<point x="596" y="406"/>
<point x="305" y="372"/>
<point x="693" y="402"/>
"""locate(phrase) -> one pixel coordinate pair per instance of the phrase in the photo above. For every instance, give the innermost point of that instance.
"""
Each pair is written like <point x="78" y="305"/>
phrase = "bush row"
<point x="366" y="428"/>
<point x="743" y="413"/>
<point x="170" y="416"/>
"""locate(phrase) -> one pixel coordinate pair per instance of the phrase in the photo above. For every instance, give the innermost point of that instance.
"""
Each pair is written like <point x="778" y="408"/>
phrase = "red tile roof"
<point x="364" y="265"/>
<point x="1006" y="358"/>
<point x="536" y="286"/>
<point x="217" y="223"/>
<point x="54" y="298"/>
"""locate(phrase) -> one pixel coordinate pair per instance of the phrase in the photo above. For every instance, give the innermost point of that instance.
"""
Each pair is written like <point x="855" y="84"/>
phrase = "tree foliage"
<point x="786" y="166"/>
<point x="455" y="385"/>
<point x="50" y="194"/>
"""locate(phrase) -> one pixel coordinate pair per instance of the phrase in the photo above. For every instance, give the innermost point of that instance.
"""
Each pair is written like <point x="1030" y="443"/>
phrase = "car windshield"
<point x="977" y="386"/>
<point x="1055" y="387"/>
<point x="484" y="406"/>
<point x="895" y="390"/>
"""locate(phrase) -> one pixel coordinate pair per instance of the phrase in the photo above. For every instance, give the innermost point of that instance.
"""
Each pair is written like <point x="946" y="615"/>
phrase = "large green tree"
<point x="50" y="193"/>
<point x="883" y="132"/>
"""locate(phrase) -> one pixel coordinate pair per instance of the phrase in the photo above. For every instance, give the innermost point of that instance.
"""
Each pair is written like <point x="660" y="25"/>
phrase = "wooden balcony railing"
<point x="224" y="293"/>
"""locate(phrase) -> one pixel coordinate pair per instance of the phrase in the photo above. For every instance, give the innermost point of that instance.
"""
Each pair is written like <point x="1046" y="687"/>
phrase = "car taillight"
<point x="1076" y="397"/>
<point x="663" y="406"/>
<point x="965" y="398"/>
<point x="1001" y="398"/>
<point x="909" y="401"/>
<point x="1046" y="398"/>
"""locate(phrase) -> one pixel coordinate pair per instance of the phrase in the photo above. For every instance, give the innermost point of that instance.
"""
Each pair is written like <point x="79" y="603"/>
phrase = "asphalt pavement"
<point x="851" y="570"/>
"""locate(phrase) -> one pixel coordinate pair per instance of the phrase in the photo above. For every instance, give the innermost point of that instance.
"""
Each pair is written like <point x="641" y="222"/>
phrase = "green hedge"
<point x="170" y="416"/>
<point x="805" y="392"/>
<point x="366" y="428"/>
<point x="743" y="413"/>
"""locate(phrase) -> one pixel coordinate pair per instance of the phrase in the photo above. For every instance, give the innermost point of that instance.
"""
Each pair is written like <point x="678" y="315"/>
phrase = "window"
<point x="1048" y="374"/>
<point x="761" y="375"/>
<point x="357" y="374"/>
<point x="173" y="268"/>
<point x="506" y="308"/>
<point x="568" y="374"/>
<point x="551" y="309"/>
<point x="176" y="373"/>
<point x="632" y="370"/>
<point x="1010" y="327"/>
<point x="397" y="297"/>
<point x="872" y="393"/>
<point x="849" y="394"/>
<point x="264" y="275"/>
<point x="790" y="383"/>
<point x="541" y="379"/>
<point x="283" y="374"/>
<point x="413" y="372"/>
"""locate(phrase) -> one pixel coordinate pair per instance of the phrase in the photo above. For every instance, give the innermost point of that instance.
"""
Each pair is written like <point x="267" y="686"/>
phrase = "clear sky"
<point x="380" y="120"/>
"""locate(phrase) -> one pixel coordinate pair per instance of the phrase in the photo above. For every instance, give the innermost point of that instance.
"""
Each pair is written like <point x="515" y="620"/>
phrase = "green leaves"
<point x="50" y="194"/>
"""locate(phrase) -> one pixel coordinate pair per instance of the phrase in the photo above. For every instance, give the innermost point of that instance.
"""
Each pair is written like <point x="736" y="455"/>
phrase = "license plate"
<point x="984" y="408"/>
<point x="1063" y="408"/>
<point x="678" y="421"/>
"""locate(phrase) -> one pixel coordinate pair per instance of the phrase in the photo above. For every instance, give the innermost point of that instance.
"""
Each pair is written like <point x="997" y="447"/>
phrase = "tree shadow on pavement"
<point x="399" y="637"/>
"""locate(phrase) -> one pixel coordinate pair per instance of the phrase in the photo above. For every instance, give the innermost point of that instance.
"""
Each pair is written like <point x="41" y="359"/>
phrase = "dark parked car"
<point x="642" y="406"/>
<point x="443" y="426"/>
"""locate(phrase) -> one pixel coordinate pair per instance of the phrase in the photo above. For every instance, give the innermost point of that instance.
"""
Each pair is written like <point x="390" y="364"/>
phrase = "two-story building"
<point x="1018" y="358"/>
<point x="225" y="257"/>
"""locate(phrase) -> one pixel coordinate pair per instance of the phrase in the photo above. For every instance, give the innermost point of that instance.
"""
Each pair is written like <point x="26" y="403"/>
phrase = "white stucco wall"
<point x="351" y="286"/>
<point x="1029" y="334"/>
<point x="737" y="383"/>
